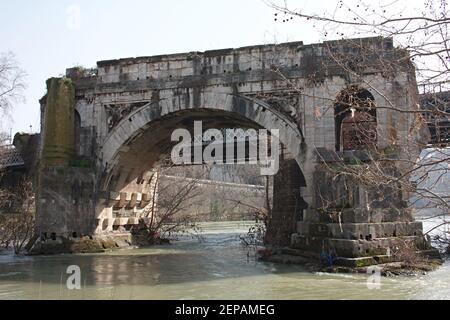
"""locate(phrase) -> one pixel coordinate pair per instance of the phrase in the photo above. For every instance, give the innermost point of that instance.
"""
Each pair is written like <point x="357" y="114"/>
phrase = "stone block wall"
<point x="66" y="202"/>
<point x="128" y="108"/>
<point x="354" y="224"/>
<point x="58" y="137"/>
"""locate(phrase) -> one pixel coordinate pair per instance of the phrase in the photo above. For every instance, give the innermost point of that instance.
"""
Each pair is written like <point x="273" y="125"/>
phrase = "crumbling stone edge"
<point x="432" y="260"/>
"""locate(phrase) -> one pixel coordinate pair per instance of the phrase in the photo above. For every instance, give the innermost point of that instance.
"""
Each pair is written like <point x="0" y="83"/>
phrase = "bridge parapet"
<point x="313" y="62"/>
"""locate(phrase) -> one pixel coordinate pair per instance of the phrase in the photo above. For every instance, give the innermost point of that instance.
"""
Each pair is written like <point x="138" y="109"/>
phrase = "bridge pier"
<point x="288" y="204"/>
<point x="65" y="188"/>
<point x="354" y="225"/>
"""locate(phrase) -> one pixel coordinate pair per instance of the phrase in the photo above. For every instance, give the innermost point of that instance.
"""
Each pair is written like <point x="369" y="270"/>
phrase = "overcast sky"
<point x="47" y="37"/>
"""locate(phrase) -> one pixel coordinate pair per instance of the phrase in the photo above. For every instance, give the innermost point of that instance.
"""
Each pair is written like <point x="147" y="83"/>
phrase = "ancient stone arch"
<point x="249" y="111"/>
<point x="129" y="108"/>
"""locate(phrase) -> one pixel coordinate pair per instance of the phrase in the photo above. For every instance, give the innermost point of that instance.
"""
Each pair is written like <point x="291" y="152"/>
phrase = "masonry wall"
<point x="302" y="76"/>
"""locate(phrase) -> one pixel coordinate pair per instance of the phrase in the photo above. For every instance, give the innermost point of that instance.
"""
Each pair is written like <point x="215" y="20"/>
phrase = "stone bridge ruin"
<point x="103" y="130"/>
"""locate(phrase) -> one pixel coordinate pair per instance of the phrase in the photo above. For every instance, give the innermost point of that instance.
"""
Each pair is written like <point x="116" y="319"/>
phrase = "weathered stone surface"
<point x="374" y="230"/>
<point x="356" y="216"/>
<point x="326" y="155"/>
<point x="103" y="130"/>
<point x="66" y="201"/>
<point x="73" y="245"/>
<point x="367" y="248"/>
<point x="58" y="139"/>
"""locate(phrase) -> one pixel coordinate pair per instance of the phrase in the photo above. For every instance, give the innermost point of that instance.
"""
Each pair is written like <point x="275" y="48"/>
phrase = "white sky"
<point x="46" y="39"/>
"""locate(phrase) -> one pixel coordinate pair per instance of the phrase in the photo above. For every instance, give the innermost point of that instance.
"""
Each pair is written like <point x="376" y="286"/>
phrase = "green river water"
<point x="216" y="268"/>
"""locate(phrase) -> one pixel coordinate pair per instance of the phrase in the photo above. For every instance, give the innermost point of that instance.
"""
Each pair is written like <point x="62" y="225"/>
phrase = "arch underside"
<point x="140" y="139"/>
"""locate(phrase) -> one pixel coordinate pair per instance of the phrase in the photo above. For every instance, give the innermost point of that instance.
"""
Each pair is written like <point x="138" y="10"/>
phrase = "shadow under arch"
<point x="136" y="143"/>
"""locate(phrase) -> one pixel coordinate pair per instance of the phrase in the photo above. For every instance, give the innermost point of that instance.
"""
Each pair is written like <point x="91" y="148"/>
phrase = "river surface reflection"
<point x="216" y="268"/>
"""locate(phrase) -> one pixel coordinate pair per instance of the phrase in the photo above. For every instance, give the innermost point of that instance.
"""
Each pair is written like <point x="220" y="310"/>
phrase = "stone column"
<point x="65" y="190"/>
<point x="58" y="127"/>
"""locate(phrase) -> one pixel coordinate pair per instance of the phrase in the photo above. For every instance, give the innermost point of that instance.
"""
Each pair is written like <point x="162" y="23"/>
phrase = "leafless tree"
<point x="12" y="82"/>
<point x="16" y="228"/>
<point x="169" y="213"/>
<point x="17" y="223"/>
<point x="261" y="211"/>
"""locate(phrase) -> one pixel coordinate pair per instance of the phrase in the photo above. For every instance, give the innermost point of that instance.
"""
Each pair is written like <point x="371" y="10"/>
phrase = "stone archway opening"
<point x="127" y="179"/>
<point x="140" y="152"/>
<point x="355" y="120"/>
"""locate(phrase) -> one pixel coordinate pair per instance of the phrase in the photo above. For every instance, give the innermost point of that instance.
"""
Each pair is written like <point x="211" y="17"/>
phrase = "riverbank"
<point x="388" y="265"/>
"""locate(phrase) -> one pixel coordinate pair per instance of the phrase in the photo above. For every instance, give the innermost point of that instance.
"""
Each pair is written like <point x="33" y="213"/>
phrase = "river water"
<point x="218" y="267"/>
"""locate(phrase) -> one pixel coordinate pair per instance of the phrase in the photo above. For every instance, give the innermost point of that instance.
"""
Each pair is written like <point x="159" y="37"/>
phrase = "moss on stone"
<point x="81" y="245"/>
<point x="108" y="244"/>
<point x="58" y="129"/>
<point x="80" y="163"/>
<point x="86" y="245"/>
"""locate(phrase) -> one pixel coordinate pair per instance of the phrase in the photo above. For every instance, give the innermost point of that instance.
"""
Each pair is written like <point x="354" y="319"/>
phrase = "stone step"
<point x="305" y="258"/>
<point x="432" y="254"/>
<point x="356" y="261"/>
<point x="363" y="261"/>
<point x="375" y="247"/>
<point x="357" y="215"/>
<point x="356" y="248"/>
<point x="360" y="231"/>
